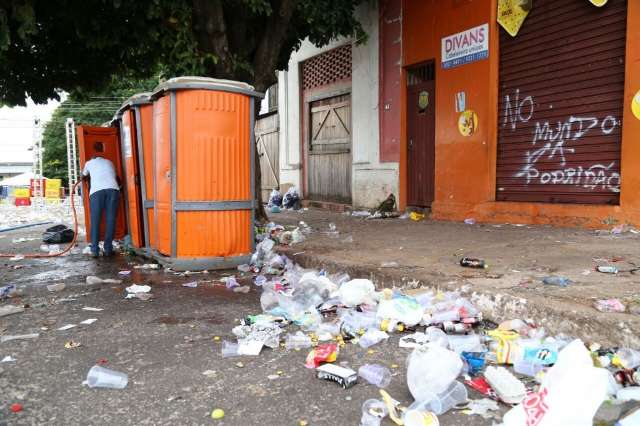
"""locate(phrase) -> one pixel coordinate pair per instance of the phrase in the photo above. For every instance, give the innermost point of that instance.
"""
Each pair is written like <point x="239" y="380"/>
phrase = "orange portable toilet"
<point x="135" y="122"/>
<point x="204" y="172"/>
<point x="87" y="136"/>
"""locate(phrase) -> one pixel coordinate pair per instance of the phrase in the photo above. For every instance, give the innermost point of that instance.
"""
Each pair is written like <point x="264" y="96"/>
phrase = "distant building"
<point x="11" y="169"/>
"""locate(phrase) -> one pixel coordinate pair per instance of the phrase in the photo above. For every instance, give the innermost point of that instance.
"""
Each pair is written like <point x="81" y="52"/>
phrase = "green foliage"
<point x="85" y="107"/>
<point x="47" y="46"/>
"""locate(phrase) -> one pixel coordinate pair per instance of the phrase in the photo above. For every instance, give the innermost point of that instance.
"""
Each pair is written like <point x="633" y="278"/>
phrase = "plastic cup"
<point x="373" y="411"/>
<point x="100" y="377"/>
<point x="229" y="349"/>
<point x="419" y="418"/>
<point x="454" y="394"/>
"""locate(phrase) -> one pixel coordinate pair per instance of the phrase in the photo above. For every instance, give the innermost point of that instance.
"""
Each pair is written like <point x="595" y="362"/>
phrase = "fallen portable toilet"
<point x="203" y="142"/>
<point x="135" y="122"/>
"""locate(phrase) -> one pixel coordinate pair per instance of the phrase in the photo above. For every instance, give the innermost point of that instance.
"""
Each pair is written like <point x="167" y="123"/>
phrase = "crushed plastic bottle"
<point x="557" y="281"/>
<point x="297" y="341"/>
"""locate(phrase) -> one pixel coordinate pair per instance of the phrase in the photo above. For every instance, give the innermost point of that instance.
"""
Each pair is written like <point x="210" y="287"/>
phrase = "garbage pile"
<point x="540" y="378"/>
<point x="290" y="200"/>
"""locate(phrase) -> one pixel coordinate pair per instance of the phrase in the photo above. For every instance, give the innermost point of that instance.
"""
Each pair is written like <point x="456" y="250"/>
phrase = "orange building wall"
<point x="465" y="167"/>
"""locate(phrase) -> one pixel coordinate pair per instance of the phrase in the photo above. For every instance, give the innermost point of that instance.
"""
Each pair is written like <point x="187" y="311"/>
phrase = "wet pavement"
<point x="168" y="346"/>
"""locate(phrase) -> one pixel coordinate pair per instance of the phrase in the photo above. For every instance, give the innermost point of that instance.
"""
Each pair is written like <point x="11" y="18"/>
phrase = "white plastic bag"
<point x="404" y="309"/>
<point x="570" y="394"/>
<point x="357" y="292"/>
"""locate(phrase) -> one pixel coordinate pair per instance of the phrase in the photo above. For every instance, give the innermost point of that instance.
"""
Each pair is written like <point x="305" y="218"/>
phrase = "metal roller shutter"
<point x="560" y="106"/>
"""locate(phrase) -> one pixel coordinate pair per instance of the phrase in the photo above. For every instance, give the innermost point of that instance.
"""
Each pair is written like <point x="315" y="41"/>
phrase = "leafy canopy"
<point x="78" y="46"/>
<point x="89" y="108"/>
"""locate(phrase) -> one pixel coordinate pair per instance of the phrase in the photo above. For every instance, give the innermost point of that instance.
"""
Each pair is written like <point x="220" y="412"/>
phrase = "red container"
<point x="32" y="185"/>
<point x="23" y="201"/>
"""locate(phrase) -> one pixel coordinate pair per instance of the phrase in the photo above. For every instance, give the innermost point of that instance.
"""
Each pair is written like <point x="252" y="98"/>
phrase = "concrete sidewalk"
<point x="427" y="253"/>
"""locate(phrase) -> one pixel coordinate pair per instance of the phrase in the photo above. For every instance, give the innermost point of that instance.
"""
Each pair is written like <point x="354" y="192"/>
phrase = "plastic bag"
<point x="57" y="234"/>
<point x="431" y="370"/>
<point x="357" y="292"/>
<point x="372" y="337"/>
<point x="570" y="394"/>
<point x="291" y="199"/>
<point x="275" y="198"/>
<point x="404" y="309"/>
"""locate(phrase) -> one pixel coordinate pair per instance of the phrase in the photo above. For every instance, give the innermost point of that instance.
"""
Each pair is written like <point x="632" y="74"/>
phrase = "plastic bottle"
<point x="628" y="358"/>
<point x="260" y="280"/>
<point x="469" y="262"/>
<point x="440" y="317"/>
<point x="297" y="341"/>
<point x="375" y="374"/>
<point x="607" y="269"/>
<point x="555" y="280"/>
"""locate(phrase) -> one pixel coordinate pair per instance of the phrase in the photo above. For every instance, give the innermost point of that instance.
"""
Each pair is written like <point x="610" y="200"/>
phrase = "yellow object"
<point x="54" y="184"/>
<point x="635" y="105"/>
<point x="303" y="423"/>
<point x="217" y="414"/>
<point x="416" y="216"/>
<point x="216" y="338"/>
<point x="511" y="15"/>
<point x="394" y="365"/>
<point x="71" y="344"/>
<point x="467" y="123"/>
<point x="393" y="407"/>
<point x="598" y="3"/>
<point x="21" y="193"/>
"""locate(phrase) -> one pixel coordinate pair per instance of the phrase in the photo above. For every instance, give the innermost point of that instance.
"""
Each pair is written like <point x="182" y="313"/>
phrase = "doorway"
<point x="421" y="135"/>
<point x="329" y="152"/>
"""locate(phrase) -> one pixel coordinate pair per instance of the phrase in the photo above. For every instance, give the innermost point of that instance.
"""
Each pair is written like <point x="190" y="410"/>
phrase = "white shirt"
<point x="102" y="173"/>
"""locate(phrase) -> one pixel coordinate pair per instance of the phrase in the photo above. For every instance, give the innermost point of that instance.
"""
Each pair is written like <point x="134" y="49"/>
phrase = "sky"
<point x="16" y="129"/>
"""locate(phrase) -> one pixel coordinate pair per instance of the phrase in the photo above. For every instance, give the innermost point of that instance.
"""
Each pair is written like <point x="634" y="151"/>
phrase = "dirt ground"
<point x="427" y="253"/>
<point x="166" y="346"/>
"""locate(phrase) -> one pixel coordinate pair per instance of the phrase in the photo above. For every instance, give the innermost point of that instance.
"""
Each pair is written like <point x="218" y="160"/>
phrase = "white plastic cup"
<point x="229" y="349"/>
<point x="373" y="411"/>
<point x="454" y="394"/>
<point x="419" y="418"/>
<point x="375" y="374"/>
<point x="100" y="377"/>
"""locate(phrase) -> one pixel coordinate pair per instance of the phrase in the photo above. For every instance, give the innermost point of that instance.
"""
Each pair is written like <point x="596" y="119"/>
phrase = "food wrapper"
<point x="327" y="352"/>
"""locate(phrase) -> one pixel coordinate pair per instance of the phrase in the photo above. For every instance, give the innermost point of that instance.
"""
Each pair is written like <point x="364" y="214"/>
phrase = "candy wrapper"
<point x="327" y="352"/>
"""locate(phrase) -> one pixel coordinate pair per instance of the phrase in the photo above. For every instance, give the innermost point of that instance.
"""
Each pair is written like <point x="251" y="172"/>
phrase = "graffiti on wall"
<point x="550" y="140"/>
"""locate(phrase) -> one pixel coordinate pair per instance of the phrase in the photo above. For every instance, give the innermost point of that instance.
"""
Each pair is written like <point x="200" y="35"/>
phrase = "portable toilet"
<point x="110" y="141"/>
<point x="135" y="122"/>
<point x="204" y="172"/>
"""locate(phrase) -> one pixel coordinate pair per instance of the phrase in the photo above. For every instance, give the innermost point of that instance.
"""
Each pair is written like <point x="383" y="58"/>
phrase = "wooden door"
<point x="329" y="150"/>
<point x="268" y="144"/>
<point x="87" y="136"/>
<point x="420" y="138"/>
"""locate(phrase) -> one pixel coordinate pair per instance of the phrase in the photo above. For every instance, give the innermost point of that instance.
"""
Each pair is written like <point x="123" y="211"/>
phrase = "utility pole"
<point x="38" y="178"/>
